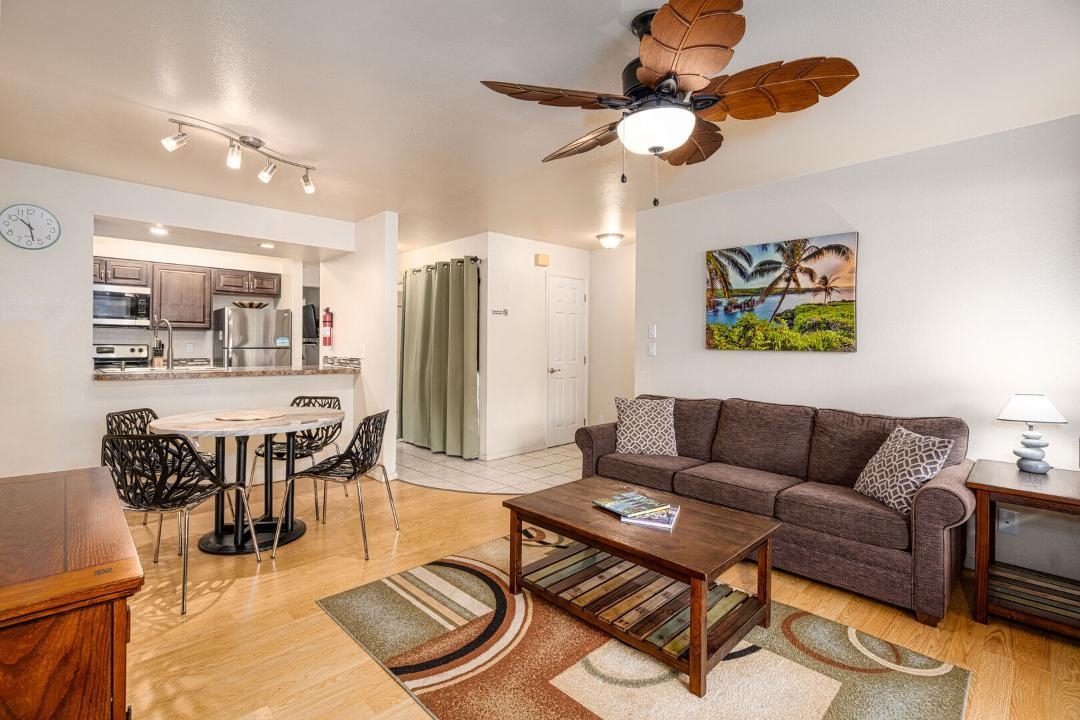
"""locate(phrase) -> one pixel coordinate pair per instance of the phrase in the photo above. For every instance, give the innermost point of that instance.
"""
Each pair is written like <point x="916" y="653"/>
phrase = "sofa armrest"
<point x="595" y="441"/>
<point x="939" y="510"/>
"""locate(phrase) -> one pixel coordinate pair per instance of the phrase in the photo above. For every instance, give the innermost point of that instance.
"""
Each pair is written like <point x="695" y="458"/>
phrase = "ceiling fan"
<point x="672" y="94"/>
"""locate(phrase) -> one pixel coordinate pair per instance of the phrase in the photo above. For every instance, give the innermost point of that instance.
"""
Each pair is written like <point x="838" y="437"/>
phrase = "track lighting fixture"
<point x="237" y="144"/>
<point x="175" y="142"/>
<point x="235" y="157"/>
<point x="267" y="173"/>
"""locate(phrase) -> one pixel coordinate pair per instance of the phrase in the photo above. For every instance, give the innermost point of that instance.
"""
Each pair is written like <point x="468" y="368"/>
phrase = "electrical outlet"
<point x="1008" y="522"/>
<point x="189" y="348"/>
<point x="602" y="417"/>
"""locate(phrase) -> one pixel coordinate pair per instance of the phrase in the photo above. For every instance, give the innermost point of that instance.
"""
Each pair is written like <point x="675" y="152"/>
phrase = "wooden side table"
<point x="1047" y="601"/>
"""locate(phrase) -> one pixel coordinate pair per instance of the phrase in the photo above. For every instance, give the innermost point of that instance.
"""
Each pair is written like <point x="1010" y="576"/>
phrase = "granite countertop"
<point x="202" y="373"/>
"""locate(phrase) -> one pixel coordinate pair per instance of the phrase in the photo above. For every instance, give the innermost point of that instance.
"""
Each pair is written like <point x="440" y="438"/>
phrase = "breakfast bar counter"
<point x="203" y="373"/>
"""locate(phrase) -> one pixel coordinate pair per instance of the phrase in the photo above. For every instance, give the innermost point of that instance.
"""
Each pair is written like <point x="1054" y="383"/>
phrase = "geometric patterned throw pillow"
<point x="645" y="427"/>
<point x="902" y="465"/>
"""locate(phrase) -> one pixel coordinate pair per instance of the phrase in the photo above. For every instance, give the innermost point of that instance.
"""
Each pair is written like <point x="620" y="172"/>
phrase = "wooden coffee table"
<point x="648" y="587"/>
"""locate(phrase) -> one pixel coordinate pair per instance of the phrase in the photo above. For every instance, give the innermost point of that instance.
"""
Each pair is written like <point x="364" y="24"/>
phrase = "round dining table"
<point x="234" y="538"/>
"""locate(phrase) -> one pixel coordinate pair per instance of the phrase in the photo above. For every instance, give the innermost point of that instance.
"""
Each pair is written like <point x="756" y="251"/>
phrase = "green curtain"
<point x="440" y="347"/>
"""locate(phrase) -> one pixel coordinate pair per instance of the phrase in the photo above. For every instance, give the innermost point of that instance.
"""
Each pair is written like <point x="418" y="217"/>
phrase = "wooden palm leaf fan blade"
<point x="692" y="39"/>
<point x="597" y="138"/>
<point x="765" y="90"/>
<point x="558" y="97"/>
<point x="704" y="141"/>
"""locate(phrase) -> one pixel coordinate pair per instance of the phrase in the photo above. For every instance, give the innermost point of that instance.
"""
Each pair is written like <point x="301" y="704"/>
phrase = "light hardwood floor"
<point x="255" y="646"/>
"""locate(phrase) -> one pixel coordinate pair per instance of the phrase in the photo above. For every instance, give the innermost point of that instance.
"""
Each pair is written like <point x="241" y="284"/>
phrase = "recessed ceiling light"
<point x="610" y="240"/>
<point x="267" y="246"/>
<point x="159" y="231"/>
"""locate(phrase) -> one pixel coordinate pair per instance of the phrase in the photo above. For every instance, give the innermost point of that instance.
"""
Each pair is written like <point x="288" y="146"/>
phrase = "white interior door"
<point x="567" y="341"/>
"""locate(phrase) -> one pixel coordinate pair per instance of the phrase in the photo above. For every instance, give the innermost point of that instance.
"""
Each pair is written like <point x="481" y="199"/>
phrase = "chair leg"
<point x="281" y="515"/>
<point x="179" y="532"/>
<point x="251" y="526"/>
<point x="390" y="495"/>
<point x="315" y="489"/>
<point x="324" y="494"/>
<point x="344" y="485"/>
<point x="157" y="545"/>
<point x="363" y="523"/>
<point x="184" y="548"/>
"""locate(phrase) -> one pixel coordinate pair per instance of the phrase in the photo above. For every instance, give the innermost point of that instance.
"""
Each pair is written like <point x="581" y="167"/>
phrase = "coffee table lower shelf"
<point x="640" y="607"/>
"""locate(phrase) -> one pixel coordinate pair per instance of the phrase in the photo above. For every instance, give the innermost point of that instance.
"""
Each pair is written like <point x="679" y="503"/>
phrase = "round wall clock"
<point x="29" y="227"/>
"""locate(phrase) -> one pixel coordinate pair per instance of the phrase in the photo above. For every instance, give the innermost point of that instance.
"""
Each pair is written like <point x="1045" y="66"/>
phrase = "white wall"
<point x="967" y="293"/>
<point x="200" y="340"/>
<point x="53" y="411"/>
<point x="360" y="289"/>
<point x="513" y="348"/>
<point x="611" y="330"/>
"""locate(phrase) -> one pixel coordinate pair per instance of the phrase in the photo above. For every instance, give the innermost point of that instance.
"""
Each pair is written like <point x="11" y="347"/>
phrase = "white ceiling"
<point x="385" y="98"/>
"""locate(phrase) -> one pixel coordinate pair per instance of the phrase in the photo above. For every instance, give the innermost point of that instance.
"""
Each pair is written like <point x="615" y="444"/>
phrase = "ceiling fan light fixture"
<point x="235" y="157"/>
<point x="656" y="129"/>
<point x="175" y="142"/>
<point x="610" y="240"/>
<point x="267" y="172"/>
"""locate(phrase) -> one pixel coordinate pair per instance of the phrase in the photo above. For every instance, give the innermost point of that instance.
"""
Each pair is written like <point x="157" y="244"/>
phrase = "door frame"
<point x="548" y="276"/>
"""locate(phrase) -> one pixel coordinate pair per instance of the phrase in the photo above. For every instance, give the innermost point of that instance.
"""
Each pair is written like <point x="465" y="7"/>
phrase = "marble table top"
<point x="206" y="424"/>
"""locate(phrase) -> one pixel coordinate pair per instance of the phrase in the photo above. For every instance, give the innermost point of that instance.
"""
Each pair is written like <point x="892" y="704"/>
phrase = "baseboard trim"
<point x="510" y="453"/>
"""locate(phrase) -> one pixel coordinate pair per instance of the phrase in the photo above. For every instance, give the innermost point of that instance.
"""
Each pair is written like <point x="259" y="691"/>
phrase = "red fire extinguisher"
<point x="327" y="327"/>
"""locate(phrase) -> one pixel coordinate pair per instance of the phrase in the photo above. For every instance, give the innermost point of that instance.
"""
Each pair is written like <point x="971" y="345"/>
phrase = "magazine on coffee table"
<point x="630" y="504"/>
<point x="664" y="519"/>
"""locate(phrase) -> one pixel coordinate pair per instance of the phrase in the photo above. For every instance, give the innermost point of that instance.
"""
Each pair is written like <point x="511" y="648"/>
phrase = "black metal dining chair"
<point x="137" y="422"/>
<point x="360" y="458"/>
<point x="163" y="474"/>
<point x="308" y="442"/>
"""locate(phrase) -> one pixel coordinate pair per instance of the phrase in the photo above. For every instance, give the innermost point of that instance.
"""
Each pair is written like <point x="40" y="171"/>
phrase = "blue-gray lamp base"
<point x="1033" y="466"/>
<point x="1032" y="453"/>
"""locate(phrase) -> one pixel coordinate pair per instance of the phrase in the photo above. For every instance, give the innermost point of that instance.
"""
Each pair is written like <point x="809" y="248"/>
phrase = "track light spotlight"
<point x="268" y="172"/>
<point x="175" y="142"/>
<point x="235" y="157"/>
<point x="309" y="186"/>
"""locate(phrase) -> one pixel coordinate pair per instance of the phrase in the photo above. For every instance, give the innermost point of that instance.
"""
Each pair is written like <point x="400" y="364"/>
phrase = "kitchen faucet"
<point x="168" y="326"/>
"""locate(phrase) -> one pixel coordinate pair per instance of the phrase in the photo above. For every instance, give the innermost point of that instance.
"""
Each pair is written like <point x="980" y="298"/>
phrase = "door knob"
<point x="552" y="371"/>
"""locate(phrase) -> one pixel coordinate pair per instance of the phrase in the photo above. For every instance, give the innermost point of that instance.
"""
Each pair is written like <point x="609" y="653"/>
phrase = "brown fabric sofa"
<point x="799" y="464"/>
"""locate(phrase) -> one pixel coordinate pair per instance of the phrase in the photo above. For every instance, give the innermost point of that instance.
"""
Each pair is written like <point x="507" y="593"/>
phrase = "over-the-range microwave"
<point x="121" y="305"/>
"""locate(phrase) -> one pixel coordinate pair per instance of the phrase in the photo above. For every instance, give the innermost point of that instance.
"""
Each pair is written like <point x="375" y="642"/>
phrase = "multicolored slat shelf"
<point x="641" y="607"/>
<point x="1048" y="596"/>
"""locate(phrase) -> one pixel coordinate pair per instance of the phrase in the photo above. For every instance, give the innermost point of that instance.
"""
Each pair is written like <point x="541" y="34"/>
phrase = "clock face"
<point x="29" y="227"/>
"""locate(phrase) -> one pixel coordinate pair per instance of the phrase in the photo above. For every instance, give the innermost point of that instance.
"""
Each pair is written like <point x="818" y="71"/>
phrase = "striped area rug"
<point x="466" y="649"/>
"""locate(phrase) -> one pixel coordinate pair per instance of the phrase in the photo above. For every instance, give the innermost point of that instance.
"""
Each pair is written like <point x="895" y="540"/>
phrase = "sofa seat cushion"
<point x="655" y="471"/>
<point x="840" y="511"/>
<point x="733" y="486"/>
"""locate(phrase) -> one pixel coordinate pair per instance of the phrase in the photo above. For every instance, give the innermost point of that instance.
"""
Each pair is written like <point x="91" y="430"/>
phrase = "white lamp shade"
<point x="656" y="129"/>
<point x="1031" y="408"/>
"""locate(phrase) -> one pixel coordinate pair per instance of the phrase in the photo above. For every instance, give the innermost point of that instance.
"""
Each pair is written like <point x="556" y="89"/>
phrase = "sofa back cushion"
<point x="844" y="442"/>
<point x="764" y="436"/>
<point x="695" y="425"/>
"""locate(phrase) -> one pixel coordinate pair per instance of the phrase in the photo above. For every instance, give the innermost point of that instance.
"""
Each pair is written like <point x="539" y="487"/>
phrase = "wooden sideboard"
<point x="67" y="568"/>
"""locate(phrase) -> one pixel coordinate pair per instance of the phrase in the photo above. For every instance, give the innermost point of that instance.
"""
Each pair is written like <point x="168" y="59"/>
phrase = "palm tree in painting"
<point x="719" y="264"/>
<point x="794" y="265"/>
<point x="825" y="285"/>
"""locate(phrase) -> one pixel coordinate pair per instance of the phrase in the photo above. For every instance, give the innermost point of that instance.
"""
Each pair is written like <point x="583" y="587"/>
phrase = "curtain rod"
<point x="470" y="258"/>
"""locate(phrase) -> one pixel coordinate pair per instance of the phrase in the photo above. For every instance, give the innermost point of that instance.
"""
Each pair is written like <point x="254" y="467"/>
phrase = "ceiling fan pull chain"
<point x="656" y="181"/>
<point x="623" y="177"/>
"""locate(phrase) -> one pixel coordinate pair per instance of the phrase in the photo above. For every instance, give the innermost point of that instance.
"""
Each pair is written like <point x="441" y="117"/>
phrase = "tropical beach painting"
<point x="791" y="295"/>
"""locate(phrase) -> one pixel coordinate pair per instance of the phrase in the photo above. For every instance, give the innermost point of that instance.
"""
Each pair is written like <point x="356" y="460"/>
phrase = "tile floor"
<point x="511" y="476"/>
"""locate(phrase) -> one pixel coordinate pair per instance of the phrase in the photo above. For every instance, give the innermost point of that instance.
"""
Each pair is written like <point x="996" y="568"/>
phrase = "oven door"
<point x="120" y="305"/>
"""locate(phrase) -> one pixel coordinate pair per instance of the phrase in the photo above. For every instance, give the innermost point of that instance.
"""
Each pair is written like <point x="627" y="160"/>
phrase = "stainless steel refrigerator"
<point x="252" y="338"/>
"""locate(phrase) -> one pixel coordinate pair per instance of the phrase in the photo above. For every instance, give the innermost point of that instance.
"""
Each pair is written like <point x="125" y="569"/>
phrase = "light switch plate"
<point x="652" y="349"/>
<point x="652" y="332"/>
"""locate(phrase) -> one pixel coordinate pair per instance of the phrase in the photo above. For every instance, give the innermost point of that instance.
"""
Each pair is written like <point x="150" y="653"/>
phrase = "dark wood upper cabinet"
<point x="99" y="270"/>
<point x="182" y="295"/>
<point x="121" y="272"/>
<point x="244" y="282"/>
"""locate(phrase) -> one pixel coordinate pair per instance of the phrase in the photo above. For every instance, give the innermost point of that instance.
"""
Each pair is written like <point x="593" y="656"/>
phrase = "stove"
<point x="121" y="356"/>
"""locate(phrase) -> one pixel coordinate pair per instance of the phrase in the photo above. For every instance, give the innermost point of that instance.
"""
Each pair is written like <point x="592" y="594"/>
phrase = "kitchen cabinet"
<point x="121" y="272"/>
<point x="182" y="295"/>
<point x="244" y="282"/>
<point x="69" y="568"/>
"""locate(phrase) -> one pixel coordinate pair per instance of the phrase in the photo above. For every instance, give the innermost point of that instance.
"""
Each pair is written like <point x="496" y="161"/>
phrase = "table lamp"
<point x="1031" y="408"/>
